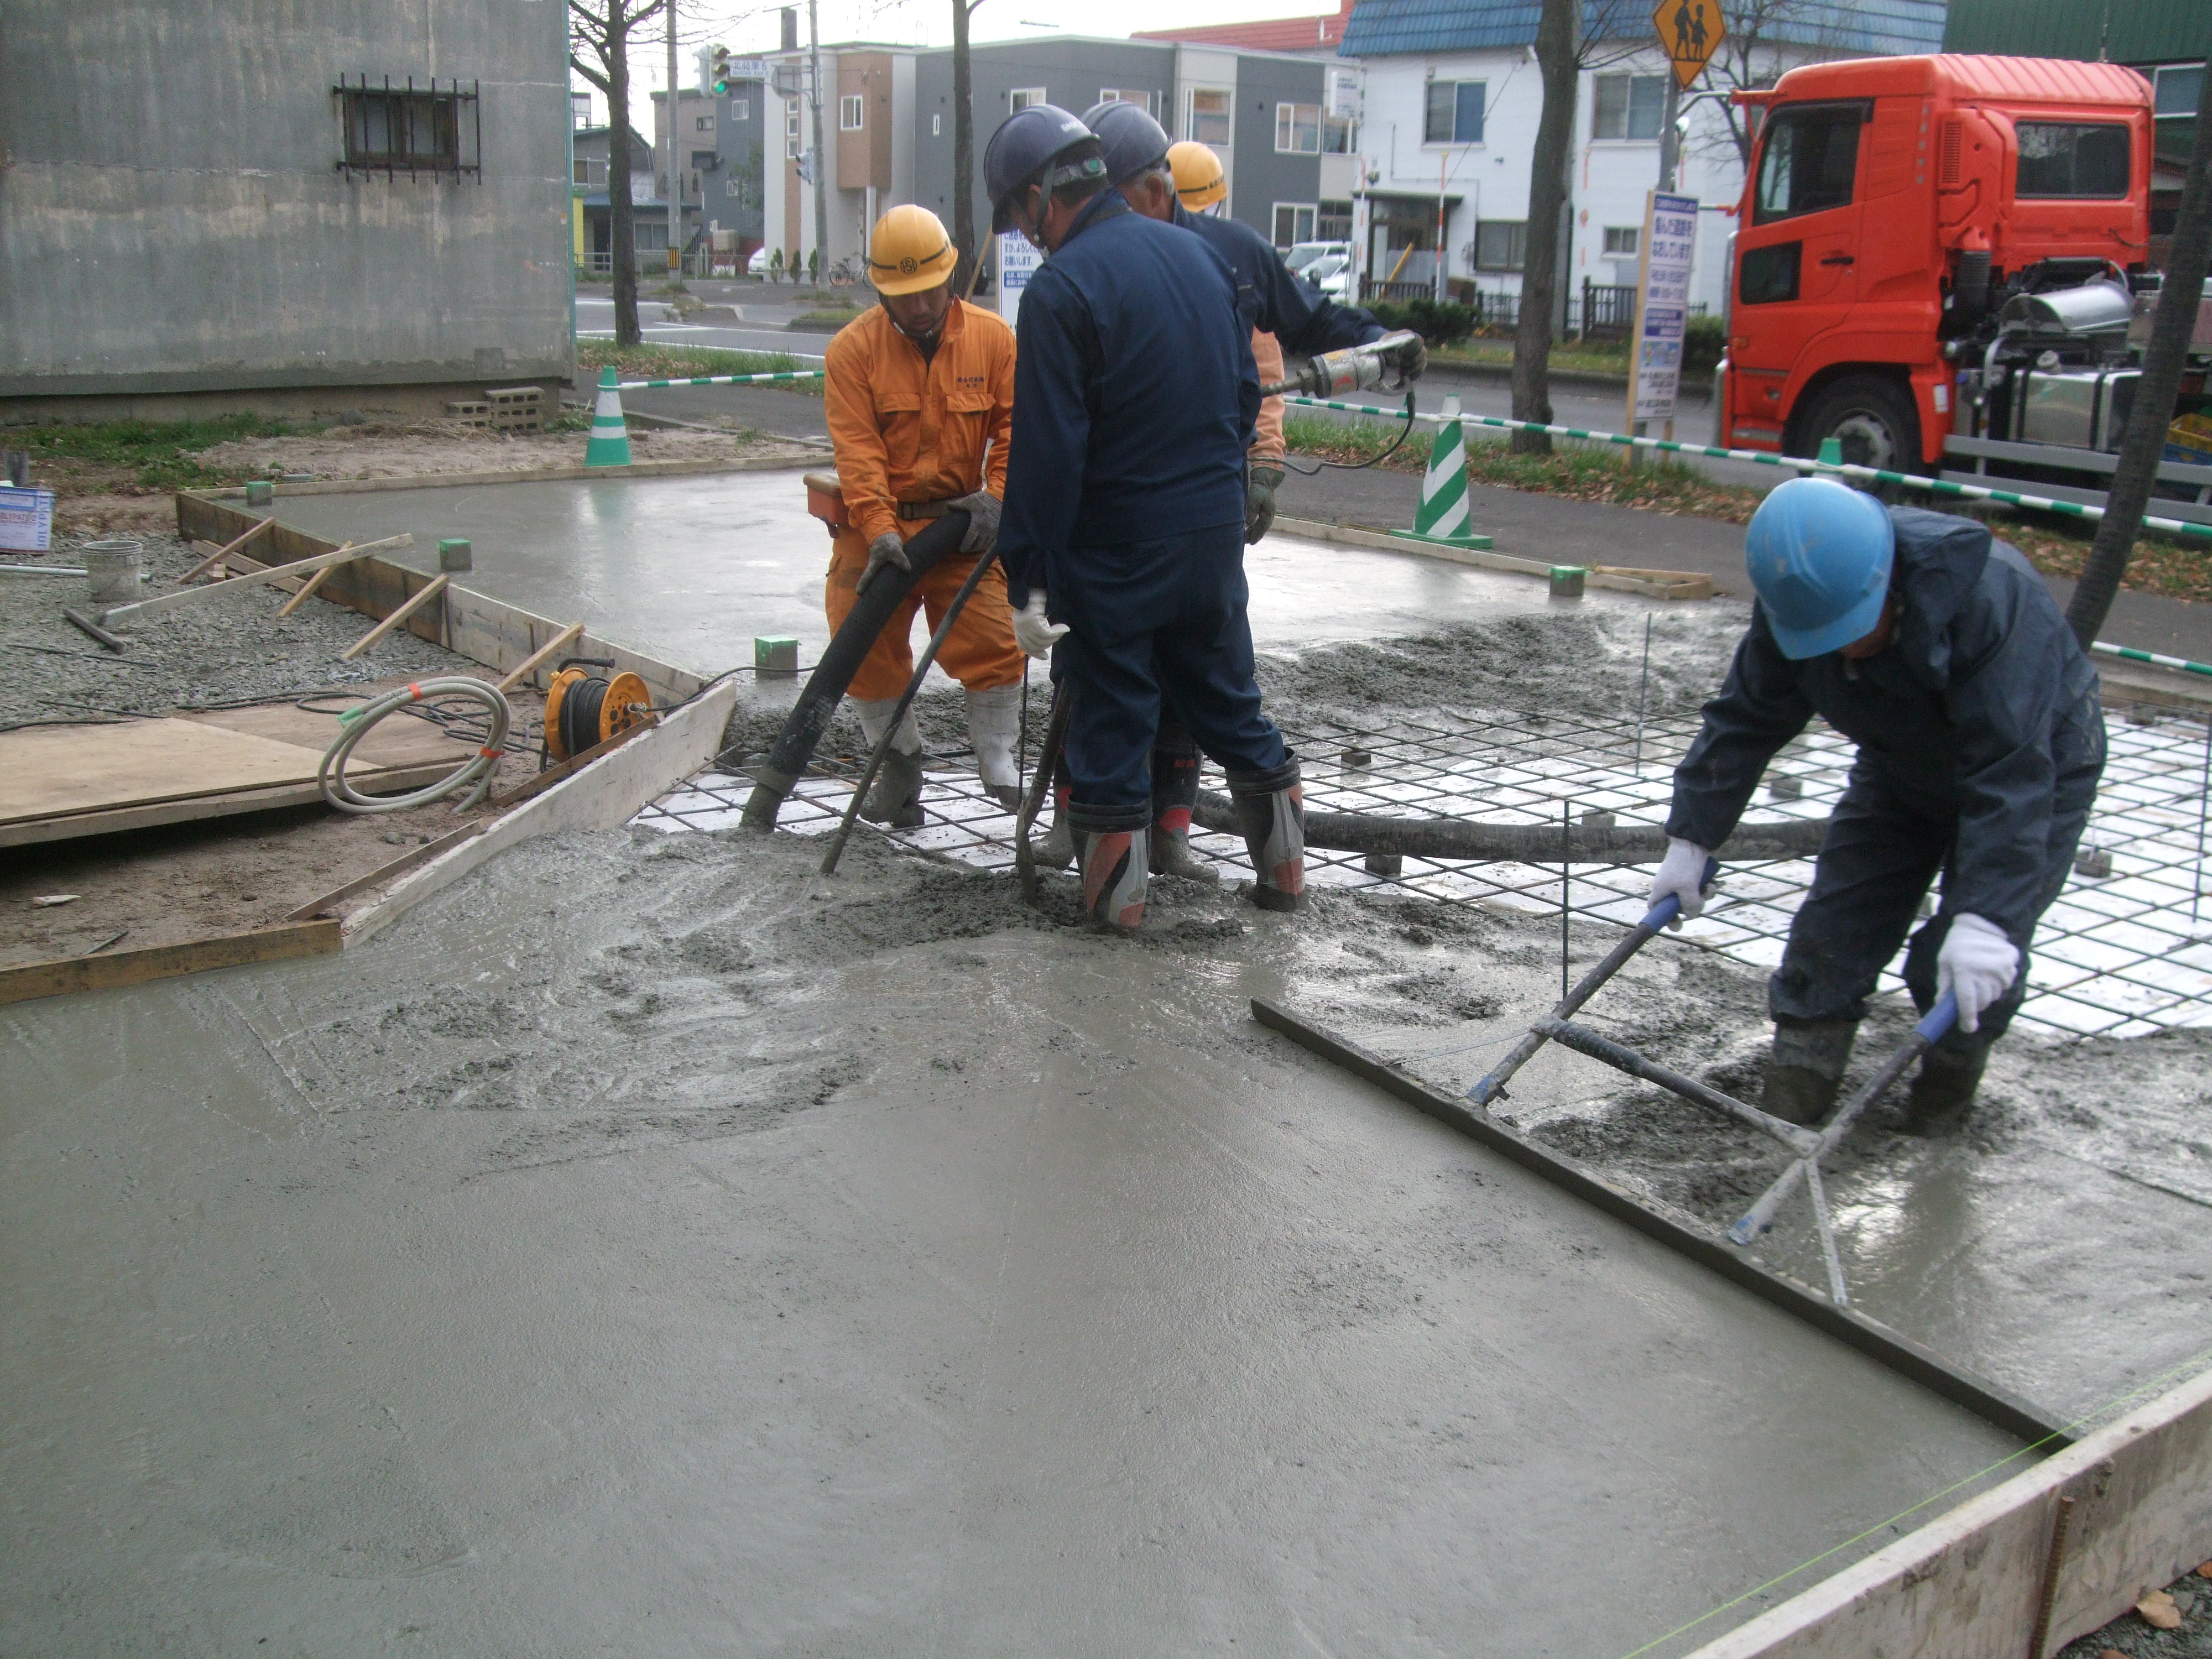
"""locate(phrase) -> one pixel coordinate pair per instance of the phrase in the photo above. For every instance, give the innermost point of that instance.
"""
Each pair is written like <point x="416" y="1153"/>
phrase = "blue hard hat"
<point x="1023" y="151"/>
<point x="1819" y="553"/>
<point x="1129" y="139"/>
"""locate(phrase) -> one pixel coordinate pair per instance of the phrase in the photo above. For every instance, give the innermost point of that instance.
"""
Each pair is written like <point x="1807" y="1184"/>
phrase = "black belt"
<point x="926" y="509"/>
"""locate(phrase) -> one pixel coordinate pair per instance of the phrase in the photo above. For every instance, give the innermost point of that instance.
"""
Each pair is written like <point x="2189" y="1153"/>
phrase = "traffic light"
<point x="721" y="78"/>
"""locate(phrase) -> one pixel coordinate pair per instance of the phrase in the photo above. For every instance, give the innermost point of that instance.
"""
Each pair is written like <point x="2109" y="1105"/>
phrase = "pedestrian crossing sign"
<point x="1691" y="30"/>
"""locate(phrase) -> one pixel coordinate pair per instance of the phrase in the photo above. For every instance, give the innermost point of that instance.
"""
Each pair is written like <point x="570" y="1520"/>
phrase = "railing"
<point x="1608" y="311"/>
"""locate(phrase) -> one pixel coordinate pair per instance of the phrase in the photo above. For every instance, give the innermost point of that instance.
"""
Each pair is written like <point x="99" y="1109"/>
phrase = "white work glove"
<point x="1032" y="632"/>
<point x="1976" y="965"/>
<point x="886" y="550"/>
<point x="1682" y="873"/>
<point x="983" y="511"/>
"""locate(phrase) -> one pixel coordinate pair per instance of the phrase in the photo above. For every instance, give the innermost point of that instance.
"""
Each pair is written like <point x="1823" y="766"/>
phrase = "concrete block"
<point x="455" y="554"/>
<point x="775" y="657"/>
<point x="1567" y="582"/>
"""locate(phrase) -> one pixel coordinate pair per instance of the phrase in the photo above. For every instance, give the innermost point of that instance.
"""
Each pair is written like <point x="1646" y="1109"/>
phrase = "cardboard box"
<point x="26" y="520"/>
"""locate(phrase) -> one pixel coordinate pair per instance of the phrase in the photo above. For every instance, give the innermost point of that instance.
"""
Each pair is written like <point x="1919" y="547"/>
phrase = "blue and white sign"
<point x="1663" y="305"/>
<point x="26" y="520"/>
<point x="1017" y="263"/>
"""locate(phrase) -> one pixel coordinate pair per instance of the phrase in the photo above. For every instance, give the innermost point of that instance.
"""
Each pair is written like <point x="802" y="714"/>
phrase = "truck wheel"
<point x="1873" y="420"/>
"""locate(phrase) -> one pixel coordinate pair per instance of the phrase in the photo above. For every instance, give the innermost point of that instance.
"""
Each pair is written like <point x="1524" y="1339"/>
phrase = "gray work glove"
<point x="1259" y="486"/>
<point x="886" y="550"/>
<point x="1413" y="358"/>
<point x="983" y="511"/>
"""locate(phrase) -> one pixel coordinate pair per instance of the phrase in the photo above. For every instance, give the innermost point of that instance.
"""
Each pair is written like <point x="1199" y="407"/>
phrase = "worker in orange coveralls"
<point x="921" y="394"/>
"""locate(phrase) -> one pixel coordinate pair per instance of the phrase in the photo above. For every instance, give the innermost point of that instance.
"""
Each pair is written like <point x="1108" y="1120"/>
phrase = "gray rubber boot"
<point x="896" y="801"/>
<point x="1805" y="1069"/>
<point x="1943" y="1089"/>
<point x="1271" y="812"/>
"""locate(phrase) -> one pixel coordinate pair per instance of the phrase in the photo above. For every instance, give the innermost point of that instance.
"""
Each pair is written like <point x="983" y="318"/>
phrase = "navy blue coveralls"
<point x="1273" y="300"/>
<point x="1134" y="399"/>
<point x="1980" y="740"/>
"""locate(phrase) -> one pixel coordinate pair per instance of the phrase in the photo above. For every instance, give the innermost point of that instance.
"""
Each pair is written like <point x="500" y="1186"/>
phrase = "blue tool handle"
<point x="1670" y="907"/>
<point x="1940" y="1018"/>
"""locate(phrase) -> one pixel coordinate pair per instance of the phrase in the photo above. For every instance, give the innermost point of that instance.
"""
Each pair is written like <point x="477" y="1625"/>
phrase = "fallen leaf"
<point x="55" y="898"/>
<point x="2205" y="1570"/>
<point x="2112" y="1653"/>
<point x="2159" y="1612"/>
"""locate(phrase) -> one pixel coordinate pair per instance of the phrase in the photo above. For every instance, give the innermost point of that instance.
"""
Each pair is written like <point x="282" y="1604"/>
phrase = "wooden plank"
<point x="46" y="771"/>
<point x="306" y="591"/>
<point x="368" y="641"/>
<point x="1655" y="584"/>
<point x="553" y="774"/>
<point x="36" y="832"/>
<point x="221" y="553"/>
<point x="189" y="596"/>
<point x="1970" y="1582"/>
<point x="386" y="873"/>
<point x="552" y="648"/>
<point x="66" y="974"/>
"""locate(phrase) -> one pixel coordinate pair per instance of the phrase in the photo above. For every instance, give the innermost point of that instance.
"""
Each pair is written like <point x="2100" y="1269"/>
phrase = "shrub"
<point x="1439" y="325"/>
<point x="1704" y="343"/>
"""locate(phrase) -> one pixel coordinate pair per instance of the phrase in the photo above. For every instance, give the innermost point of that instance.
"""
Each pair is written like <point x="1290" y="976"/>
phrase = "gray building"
<point x="733" y="185"/>
<point x="283" y="204"/>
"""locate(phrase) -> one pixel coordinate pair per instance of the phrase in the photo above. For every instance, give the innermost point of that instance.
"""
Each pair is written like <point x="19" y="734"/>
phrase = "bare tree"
<point x="1748" y="59"/>
<point x="963" y="149"/>
<point x="598" y="48"/>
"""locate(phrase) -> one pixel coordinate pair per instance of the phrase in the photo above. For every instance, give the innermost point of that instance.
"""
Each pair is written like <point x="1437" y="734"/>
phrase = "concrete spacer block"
<point x="454" y="553"/>
<point x="1567" y="582"/>
<point x="775" y="657"/>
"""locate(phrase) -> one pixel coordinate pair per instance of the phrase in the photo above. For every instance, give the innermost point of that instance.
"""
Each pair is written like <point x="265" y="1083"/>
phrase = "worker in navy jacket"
<point x="1123" y="534"/>
<point x="1940" y="652"/>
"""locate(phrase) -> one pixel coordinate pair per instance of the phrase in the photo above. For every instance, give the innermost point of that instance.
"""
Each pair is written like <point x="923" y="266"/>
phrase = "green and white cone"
<point x="1443" y="512"/>
<point x="609" y="443"/>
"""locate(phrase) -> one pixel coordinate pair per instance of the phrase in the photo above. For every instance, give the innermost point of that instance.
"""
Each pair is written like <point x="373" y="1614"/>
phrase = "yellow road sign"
<point x="1690" y="31"/>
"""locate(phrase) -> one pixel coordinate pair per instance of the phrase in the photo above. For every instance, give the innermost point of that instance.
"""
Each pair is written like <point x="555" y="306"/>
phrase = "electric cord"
<point x="1316" y="470"/>
<point x="474" y="775"/>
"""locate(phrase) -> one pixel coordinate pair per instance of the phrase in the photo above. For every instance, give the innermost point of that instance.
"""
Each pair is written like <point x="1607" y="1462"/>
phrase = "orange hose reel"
<point x="582" y="709"/>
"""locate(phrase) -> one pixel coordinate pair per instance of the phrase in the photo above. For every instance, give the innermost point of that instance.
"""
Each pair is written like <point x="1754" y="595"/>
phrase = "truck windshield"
<point x="2071" y="158"/>
<point x="1807" y="162"/>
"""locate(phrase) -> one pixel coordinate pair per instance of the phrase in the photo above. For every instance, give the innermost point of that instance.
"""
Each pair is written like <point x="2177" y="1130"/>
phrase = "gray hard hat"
<point x="1129" y="139"/>
<point x="1032" y="147"/>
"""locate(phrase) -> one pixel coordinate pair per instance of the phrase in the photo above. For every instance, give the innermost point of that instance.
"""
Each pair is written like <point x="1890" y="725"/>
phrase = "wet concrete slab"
<point x="651" y="1245"/>
<point x="692" y="569"/>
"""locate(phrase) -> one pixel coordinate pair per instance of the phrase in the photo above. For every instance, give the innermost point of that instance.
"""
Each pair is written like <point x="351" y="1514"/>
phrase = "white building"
<point x="1453" y="96"/>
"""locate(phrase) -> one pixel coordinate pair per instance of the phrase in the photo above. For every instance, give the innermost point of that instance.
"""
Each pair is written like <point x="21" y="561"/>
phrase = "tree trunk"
<point x="963" y="152"/>
<point x="1558" y="57"/>
<point x="2164" y="358"/>
<point x="621" y="238"/>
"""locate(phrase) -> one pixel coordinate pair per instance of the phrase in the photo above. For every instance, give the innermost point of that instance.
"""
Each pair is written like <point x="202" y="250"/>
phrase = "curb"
<point x="1694" y="389"/>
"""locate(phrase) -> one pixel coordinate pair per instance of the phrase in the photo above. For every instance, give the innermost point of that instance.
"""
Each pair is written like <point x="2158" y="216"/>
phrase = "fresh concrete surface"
<point x="652" y="1248"/>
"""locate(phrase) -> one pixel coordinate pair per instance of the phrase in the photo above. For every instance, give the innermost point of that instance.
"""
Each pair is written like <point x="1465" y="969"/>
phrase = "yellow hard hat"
<point x="909" y="252"/>
<point x="1197" y="174"/>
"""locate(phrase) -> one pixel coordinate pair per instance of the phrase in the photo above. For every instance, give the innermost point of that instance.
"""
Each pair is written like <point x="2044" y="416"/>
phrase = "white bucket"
<point x="112" y="567"/>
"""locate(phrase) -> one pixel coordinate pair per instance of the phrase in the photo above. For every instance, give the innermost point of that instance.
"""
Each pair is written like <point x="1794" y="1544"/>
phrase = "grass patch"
<point x="1598" y="358"/>
<point x="660" y="362"/>
<point x="142" y="457"/>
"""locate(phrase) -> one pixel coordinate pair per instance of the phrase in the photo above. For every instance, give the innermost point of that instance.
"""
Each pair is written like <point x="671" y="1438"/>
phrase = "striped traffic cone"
<point x="1443" y="514"/>
<point x="609" y="443"/>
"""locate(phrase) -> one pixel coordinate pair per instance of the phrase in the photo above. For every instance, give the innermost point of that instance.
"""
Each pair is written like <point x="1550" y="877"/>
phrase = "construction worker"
<point x="921" y="394"/>
<point x="1940" y="652"/>
<point x="1135" y="399"/>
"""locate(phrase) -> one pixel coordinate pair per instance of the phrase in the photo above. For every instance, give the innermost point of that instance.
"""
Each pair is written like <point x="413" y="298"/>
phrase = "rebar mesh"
<point x="2119" y="954"/>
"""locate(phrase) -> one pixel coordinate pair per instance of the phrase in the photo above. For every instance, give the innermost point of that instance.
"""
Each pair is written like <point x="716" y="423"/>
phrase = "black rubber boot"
<point x="1271" y="812"/>
<point x="1055" y="848"/>
<point x="897" y="799"/>
<point x="1943" y="1089"/>
<point x="1112" y="855"/>
<point x="1174" y="793"/>
<point x="1805" y="1069"/>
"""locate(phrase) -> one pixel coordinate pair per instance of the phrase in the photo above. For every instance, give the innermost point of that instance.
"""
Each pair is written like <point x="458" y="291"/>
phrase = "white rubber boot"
<point x="994" y="727"/>
<point x="897" y="799"/>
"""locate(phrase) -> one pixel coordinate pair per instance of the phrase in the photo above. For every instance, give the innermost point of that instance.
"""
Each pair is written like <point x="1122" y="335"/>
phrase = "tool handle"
<point x="1662" y="913"/>
<point x="1940" y="1018"/>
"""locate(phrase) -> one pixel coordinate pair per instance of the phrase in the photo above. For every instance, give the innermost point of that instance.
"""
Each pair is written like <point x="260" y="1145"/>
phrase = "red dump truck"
<point x="1942" y="263"/>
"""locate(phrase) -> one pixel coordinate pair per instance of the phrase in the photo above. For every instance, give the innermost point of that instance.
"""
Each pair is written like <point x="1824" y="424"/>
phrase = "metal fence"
<point x="1595" y="311"/>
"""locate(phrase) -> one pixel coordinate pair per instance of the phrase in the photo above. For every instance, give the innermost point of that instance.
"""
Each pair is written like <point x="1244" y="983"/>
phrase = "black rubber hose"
<point x="825" y="687"/>
<point x="1518" y="843"/>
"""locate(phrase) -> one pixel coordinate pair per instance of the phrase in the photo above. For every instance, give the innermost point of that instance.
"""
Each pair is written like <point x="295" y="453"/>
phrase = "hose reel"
<point x="582" y="709"/>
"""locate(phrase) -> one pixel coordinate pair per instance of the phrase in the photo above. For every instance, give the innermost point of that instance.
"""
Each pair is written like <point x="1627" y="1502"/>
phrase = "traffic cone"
<point x="1443" y="513"/>
<point x="609" y="443"/>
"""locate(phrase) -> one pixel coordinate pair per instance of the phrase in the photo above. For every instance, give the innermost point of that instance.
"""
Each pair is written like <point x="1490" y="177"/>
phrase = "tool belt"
<point x="825" y="500"/>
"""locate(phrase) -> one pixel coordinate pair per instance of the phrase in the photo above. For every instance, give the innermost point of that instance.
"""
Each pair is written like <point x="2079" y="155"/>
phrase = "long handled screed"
<point x="1055" y="733"/>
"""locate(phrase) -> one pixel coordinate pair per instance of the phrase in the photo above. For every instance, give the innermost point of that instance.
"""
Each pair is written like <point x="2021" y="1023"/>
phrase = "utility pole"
<point x="1670" y="136"/>
<point x="820" y="158"/>
<point x="675" y="178"/>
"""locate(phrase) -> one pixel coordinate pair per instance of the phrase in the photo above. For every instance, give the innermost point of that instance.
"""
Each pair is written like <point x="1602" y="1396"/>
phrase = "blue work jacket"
<point x="1134" y="394"/>
<point x="1958" y="715"/>
<point x="1303" y="321"/>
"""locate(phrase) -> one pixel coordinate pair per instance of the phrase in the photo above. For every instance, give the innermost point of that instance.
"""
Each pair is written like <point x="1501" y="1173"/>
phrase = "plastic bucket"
<point x="112" y="567"/>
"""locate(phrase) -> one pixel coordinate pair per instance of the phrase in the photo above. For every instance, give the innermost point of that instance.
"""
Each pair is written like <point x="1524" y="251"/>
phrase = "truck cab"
<point x="1896" y="212"/>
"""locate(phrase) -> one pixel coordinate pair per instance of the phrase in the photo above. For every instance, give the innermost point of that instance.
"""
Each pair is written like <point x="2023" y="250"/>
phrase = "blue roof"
<point x="1380" y="28"/>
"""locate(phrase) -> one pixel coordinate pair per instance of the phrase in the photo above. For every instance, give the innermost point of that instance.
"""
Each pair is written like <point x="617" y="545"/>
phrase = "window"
<point x="2068" y="158"/>
<point x="1143" y="100"/>
<point x="1501" y="244"/>
<point x="741" y="109"/>
<point x="790" y="128"/>
<point x="589" y="172"/>
<point x="1770" y="274"/>
<point x="579" y="110"/>
<point x="732" y="187"/>
<point x="1294" y="223"/>
<point x="937" y="126"/>
<point x="1620" y="241"/>
<point x="1342" y="113"/>
<point x="1628" y="107"/>
<point x="703" y="124"/>
<point x="422" y="129"/>
<point x="1807" y="160"/>
<point x="848" y="113"/>
<point x="1022" y="97"/>
<point x="1297" y="129"/>
<point x="2179" y="86"/>
<point x="1455" y="112"/>
<point x="1333" y="223"/>
<point x="1205" y="115"/>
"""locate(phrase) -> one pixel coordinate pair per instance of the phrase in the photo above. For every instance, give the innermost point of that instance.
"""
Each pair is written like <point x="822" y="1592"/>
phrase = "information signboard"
<point x="1663" y="305"/>
<point x="1017" y="262"/>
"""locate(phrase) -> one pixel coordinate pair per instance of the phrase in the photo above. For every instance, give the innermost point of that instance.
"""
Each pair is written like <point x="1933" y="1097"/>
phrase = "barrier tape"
<point x="723" y="380"/>
<point x="2181" y="662"/>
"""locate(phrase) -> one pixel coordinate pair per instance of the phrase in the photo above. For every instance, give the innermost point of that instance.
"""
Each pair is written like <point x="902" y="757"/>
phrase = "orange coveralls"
<point x="910" y="430"/>
<point x="1267" y="432"/>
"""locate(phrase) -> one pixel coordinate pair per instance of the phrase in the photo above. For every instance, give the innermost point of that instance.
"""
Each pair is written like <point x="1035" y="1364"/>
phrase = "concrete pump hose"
<point x="825" y="687"/>
<point x="1518" y="843"/>
<point x="474" y="774"/>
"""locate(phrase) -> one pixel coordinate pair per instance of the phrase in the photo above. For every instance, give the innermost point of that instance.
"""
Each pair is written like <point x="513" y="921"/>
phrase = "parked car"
<point x="757" y="265"/>
<point x="1334" y="276"/>
<point x="1304" y="253"/>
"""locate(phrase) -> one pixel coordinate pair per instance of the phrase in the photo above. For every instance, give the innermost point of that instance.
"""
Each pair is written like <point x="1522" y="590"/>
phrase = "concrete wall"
<point x="174" y="223"/>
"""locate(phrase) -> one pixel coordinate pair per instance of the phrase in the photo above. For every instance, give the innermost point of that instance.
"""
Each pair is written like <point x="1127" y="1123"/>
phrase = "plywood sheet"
<point x="399" y="740"/>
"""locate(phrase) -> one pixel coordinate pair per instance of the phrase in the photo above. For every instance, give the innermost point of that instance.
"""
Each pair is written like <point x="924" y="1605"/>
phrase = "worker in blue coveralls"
<point x="1281" y="312"/>
<point x="1940" y="652"/>
<point x="1135" y="397"/>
